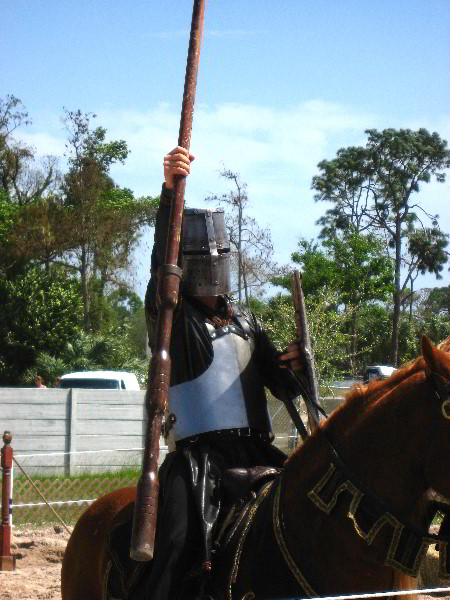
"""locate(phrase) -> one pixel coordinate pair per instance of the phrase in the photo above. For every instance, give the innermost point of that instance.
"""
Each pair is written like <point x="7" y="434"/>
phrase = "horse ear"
<point x="437" y="361"/>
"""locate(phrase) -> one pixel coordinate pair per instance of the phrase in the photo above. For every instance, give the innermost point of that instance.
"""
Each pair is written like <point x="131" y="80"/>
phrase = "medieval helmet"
<point x="206" y="253"/>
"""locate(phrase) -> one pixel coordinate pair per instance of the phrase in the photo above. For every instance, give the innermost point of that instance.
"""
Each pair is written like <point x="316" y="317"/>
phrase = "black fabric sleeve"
<point x="157" y="259"/>
<point x="280" y="381"/>
<point x="190" y="348"/>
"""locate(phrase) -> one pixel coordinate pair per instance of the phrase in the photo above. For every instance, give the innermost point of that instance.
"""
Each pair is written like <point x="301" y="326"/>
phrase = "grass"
<point x="87" y="486"/>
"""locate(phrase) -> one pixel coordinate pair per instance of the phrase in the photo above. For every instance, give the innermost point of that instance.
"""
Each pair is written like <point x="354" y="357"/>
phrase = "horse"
<point x="349" y="513"/>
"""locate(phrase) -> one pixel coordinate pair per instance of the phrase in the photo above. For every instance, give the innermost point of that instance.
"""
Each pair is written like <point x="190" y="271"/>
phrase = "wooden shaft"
<point x="146" y="506"/>
<point x="301" y="323"/>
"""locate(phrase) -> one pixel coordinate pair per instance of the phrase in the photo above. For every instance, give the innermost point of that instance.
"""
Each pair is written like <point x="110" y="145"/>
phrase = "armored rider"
<point x="217" y="414"/>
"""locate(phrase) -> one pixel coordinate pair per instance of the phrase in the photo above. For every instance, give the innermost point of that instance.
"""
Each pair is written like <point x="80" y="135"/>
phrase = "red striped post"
<point x="7" y="561"/>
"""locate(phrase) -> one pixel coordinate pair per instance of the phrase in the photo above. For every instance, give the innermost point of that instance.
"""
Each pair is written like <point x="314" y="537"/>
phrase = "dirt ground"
<point x="39" y="553"/>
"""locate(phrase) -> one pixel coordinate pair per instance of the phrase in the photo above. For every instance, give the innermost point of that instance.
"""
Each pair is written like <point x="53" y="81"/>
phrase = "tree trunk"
<point x="244" y="278"/>
<point x="411" y="301"/>
<point x="84" y="290"/>
<point x="239" y="253"/>
<point x="353" y="344"/>
<point x="100" y="297"/>
<point x="396" y="296"/>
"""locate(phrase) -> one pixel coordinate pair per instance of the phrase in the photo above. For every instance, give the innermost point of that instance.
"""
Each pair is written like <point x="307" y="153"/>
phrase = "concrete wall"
<point x="50" y="422"/>
<point x="60" y="426"/>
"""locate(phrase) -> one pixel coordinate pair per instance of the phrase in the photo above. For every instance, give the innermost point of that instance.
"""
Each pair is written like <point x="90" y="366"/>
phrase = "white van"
<point x="100" y="380"/>
<point x="377" y="372"/>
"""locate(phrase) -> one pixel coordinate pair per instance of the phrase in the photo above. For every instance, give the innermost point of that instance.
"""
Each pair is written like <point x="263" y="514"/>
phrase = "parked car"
<point x="100" y="380"/>
<point x="377" y="372"/>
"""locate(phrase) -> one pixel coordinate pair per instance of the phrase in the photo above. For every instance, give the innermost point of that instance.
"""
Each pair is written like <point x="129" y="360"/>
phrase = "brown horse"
<point x="349" y="513"/>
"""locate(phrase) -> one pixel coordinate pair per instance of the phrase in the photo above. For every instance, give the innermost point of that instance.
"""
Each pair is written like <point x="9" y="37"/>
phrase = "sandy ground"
<point x="39" y="554"/>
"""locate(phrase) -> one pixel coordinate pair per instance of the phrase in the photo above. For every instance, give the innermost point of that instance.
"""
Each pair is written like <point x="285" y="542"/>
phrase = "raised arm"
<point x="176" y="162"/>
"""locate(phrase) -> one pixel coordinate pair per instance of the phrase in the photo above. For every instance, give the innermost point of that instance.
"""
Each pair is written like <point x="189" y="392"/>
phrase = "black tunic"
<point x="190" y="477"/>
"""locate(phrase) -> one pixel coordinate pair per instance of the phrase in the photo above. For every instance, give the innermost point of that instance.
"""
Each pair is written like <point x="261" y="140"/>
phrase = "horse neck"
<point x="383" y="442"/>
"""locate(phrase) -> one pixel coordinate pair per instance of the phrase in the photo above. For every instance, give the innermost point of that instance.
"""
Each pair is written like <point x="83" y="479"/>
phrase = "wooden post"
<point x="312" y="399"/>
<point x="73" y="403"/>
<point x="7" y="561"/>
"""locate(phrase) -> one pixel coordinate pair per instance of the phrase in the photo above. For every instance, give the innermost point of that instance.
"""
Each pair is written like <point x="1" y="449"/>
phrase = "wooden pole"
<point x="7" y="561"/>
<point x="302" y="328"/>
<point x="169" y="275"/>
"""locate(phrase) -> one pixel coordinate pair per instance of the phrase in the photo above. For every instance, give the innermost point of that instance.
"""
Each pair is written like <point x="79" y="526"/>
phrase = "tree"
<point x="24" y="188"/>
<point x="328" y="338"/>
<point x="12" y="115"/>
<point x="354" y="267"/>
<point x="251" y="246"/>
<point x="437" y="301"/>
<point x="44" y="229"/>
<point x="318" y="268"/>
<point x="42" y="232"/>
<point x="373" y="188"/>
<point x="20" y="178"/>
<point x="363" y="277"/>
<point x="90" y="158"/>
<point x="106" y="219"/>
<point x="40" y="312"/>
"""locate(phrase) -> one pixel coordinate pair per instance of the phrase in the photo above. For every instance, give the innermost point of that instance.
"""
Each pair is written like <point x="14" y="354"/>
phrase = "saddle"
<point x="238" y="486"/>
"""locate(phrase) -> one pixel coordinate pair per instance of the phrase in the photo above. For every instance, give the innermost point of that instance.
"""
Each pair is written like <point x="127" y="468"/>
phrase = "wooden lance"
<point x="169" y="276"/>
<point x="311" y="396"/>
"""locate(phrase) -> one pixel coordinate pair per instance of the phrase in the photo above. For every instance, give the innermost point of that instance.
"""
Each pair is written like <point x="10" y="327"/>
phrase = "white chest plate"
<point x="228" y="395"/>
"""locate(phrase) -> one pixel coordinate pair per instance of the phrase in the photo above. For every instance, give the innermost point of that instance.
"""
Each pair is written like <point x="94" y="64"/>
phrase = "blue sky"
<point x="282" y="85"/>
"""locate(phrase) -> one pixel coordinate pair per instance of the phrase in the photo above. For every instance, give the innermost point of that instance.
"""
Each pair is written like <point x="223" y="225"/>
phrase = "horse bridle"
<point x="442" y="392"/>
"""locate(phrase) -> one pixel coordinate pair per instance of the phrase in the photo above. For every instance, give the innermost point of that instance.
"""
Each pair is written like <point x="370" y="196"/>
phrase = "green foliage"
<point x="438" y="301"/>
<point x="90" y="352"/>
<point x="40" y="313"/>
<point x="326" y="330"/>
<point x="436" y="327"/>
<point x="47" y="366"/>
<point x="319" y="271"/>
<point x="353" y="267"/>
<point x="372" y="189"/>
<point x="83" y="233"/>
<point x="362" y="272"/>
<point x="373" y="339"/>
<point x="427" y="249"/>
<point x="8" y="211"/>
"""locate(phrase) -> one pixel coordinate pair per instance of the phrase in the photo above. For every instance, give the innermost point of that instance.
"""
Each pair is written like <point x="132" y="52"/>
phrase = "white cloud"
<point x="45" y="143"/>
<point x="276" y="152"/>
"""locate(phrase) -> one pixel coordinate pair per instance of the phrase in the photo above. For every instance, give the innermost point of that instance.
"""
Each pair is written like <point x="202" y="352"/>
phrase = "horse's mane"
<point x="445" y="345"/>
<point x="363" y="394"/>
<point x="379" y="387"/>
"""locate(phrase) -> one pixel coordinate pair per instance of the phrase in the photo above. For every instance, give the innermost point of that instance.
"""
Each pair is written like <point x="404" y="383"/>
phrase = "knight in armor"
<point x="217" y="419"/>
